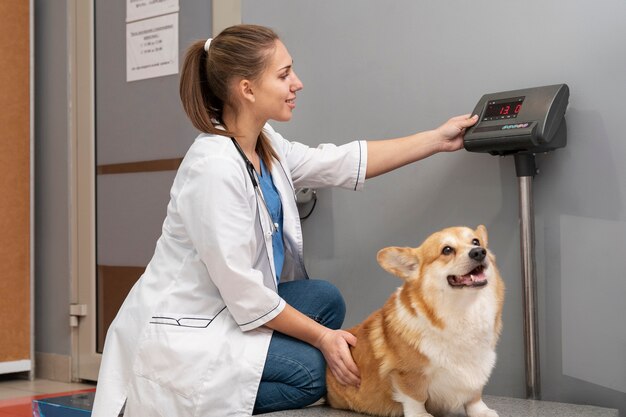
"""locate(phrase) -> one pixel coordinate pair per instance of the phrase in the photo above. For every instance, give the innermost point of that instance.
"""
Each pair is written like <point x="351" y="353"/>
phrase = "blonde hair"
<point x="240" y="51"/>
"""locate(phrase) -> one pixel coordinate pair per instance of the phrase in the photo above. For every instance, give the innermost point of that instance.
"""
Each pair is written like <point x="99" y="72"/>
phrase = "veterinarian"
<point x="224" y="321"/>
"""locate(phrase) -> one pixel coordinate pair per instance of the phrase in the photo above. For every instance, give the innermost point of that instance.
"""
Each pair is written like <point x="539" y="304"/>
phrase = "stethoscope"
<point x="255" y="184"/>
<point x="259" y="194"/>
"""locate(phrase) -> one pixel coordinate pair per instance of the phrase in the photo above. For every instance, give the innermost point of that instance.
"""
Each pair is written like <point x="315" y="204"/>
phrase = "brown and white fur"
<point x="431" y="348"/>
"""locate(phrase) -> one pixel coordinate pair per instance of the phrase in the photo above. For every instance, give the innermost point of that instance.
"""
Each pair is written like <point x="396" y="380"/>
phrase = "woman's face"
<point x="275" y="90"/>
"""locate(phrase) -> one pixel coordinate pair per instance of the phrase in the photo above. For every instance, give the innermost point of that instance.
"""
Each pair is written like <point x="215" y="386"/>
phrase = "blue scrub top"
<point x="272" y="199"/>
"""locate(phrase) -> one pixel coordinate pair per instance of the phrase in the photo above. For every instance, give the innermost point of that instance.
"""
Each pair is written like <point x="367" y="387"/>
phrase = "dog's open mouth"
<point x="475" y="278"/>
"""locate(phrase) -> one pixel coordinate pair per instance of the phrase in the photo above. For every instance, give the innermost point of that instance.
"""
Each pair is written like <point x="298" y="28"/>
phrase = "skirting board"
<point x="53" y="366"/>
<point x="15" y="366"/>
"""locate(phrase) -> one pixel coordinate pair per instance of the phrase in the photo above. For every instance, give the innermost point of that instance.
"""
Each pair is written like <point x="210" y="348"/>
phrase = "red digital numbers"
<point x="503" y="109"/>
<point x="506" y="109"/>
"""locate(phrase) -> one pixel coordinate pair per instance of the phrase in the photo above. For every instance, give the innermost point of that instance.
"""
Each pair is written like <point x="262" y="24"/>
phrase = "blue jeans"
<point x="295" y="372"/>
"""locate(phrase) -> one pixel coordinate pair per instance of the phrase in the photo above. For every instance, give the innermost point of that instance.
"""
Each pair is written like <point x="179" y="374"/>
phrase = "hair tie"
<point x="207" y="44"/>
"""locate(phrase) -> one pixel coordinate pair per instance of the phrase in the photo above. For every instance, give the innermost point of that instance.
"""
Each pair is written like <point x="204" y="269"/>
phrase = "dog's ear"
<point x="481" y="231"/>
<point x="401" y="262"/>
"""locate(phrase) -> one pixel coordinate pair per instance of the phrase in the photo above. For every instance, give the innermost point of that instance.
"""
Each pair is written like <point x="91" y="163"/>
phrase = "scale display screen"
<point x="507" y="108"/>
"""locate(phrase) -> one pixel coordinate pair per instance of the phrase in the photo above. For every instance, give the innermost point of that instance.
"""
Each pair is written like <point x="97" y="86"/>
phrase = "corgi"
<point x="431" y="348"/>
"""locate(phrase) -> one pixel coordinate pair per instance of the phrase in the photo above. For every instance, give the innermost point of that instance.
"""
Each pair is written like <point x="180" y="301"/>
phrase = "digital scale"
<point x="523" y="123"/>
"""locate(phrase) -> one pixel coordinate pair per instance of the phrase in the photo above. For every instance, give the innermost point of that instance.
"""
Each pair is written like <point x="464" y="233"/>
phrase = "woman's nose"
<point x="297" y="84"/>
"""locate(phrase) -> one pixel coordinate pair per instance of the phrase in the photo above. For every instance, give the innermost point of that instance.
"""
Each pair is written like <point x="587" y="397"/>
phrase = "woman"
<point x="224" y="322"/>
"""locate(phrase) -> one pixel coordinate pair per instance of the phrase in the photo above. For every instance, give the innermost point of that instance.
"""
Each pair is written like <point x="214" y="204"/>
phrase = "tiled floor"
<point x="16" y="396"/>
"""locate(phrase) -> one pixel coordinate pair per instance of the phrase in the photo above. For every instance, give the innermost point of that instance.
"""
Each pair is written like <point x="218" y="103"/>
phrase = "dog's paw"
<point x="479" y="409"/>
<point x="484" y="413"/>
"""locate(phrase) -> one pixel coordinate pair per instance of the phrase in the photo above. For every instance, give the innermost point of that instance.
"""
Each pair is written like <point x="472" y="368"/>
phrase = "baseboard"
<point x="15" y="366"/>
<point x="53" y="367"/>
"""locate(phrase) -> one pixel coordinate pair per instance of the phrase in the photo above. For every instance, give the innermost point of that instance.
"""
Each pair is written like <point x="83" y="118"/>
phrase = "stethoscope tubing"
<point x="255" y="183"/>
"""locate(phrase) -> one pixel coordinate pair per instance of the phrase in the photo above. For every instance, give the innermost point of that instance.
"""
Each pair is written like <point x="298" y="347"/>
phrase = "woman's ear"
<point x="245" y="90"/>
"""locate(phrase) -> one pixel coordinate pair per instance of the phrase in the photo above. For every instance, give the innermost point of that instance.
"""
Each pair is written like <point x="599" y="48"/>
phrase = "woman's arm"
<point x="332" y="343"/>
<point x="386" y="155"/>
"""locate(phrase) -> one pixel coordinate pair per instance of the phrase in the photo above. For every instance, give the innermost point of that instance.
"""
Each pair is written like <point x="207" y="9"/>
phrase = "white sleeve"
<point x="324" y="166"/>
<point x="220" y="220"/>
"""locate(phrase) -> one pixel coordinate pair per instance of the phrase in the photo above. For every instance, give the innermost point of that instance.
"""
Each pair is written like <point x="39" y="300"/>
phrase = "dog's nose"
<point x="478" y="254"/>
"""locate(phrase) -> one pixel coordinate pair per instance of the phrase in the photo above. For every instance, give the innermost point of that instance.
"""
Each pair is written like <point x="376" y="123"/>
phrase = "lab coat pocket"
<point x="177" y="351"/>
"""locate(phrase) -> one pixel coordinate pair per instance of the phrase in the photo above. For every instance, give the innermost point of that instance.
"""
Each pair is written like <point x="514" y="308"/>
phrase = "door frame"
<point x="85" y="362"/>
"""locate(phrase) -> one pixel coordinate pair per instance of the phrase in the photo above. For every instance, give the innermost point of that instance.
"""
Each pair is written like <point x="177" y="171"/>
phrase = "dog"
<point x="431" y="348"/>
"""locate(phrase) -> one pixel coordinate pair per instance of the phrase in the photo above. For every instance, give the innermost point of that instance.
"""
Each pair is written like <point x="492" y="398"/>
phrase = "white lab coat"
<point x="188" y="340"/>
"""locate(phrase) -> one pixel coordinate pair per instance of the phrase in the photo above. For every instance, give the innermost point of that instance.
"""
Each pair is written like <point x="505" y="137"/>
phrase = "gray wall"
<point x="52" y="199"/>
<point x="376" y="69"/>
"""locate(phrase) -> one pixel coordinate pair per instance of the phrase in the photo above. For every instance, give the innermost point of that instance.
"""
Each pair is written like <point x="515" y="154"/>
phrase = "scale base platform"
<point x="75" y="405"/>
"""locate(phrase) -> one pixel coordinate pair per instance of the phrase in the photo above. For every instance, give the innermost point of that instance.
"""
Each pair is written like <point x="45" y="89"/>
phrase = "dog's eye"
<point x="476" y="242"/>
<point x="447" y="250"/>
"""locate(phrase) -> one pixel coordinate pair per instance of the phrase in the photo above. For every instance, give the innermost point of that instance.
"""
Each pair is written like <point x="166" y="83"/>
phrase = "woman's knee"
<point x="334" y="306"/>
<point x="318" y="299"/>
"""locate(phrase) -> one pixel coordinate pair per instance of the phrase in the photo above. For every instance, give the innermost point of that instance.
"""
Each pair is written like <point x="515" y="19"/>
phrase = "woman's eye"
<point x="447" y="250"/>
<point x="476" y="242"/>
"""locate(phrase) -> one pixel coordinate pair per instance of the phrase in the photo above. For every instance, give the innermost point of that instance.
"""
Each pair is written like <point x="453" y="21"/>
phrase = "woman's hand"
<point x="332" y="343"/>
<point x="450" y="134"/>
<point x="334" y="346"/>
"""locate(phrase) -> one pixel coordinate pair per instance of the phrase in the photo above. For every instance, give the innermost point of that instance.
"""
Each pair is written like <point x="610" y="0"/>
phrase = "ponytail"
<point x="203" y="108"/>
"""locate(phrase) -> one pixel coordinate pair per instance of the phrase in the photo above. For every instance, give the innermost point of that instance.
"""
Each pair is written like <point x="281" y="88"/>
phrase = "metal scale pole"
<point x="526" y="170"/>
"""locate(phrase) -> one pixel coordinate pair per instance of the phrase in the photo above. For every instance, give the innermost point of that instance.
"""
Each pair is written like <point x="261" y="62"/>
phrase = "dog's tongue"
<point x="466" y="279"/>
<point x="473" y="277"/>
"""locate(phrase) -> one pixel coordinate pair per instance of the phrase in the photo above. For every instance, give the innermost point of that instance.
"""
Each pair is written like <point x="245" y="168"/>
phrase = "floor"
<point x="16" y="398"/>
<point x="16" y="395"/>
<point x="506" y="407"/>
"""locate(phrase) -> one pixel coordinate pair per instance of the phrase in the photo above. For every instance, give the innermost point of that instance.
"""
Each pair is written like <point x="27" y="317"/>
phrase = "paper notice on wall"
<point x="152" y="47"/>
<point x="142" y="9"/>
